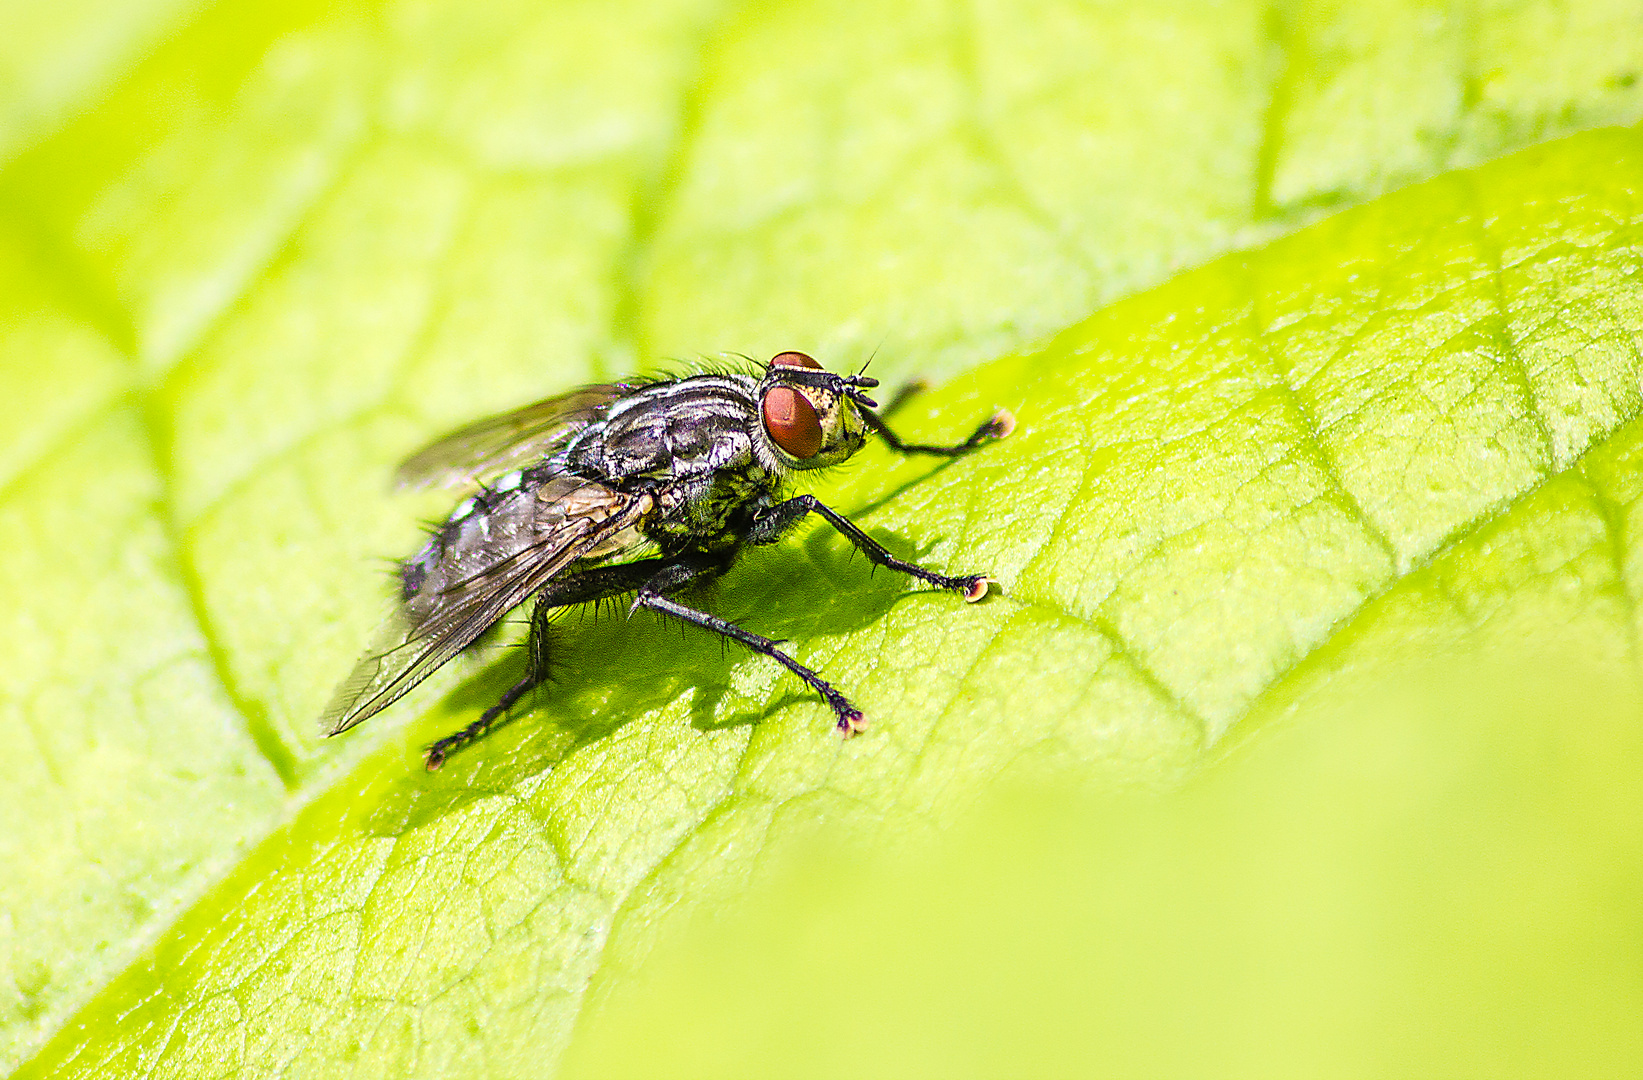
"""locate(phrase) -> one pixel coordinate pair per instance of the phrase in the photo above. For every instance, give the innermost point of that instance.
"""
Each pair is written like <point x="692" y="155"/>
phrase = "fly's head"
<point x="809" y="416"/>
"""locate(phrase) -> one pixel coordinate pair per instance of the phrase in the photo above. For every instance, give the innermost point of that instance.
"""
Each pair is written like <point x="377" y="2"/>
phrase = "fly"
<point x="616" y="489"/>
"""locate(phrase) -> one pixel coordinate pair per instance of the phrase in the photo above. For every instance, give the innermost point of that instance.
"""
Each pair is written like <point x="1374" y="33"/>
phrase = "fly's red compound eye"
<point x="788" y="417"/>
<point x="791" y="422"/>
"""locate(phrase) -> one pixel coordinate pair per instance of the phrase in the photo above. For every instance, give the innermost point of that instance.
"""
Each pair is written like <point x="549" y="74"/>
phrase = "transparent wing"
<point x="470" y="587"/>
<point x="513" y="440"/>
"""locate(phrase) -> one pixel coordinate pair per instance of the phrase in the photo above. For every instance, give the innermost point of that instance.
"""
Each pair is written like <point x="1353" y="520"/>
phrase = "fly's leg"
<point x="671" y="578"/>
<point x="774" y="522"/>
<point x="535" y="671"/>
<point x="997" y="426"/>
<point x="589" y="585"/>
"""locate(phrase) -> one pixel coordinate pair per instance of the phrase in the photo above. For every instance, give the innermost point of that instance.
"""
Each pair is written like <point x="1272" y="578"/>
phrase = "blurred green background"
<point x="1305" y="736"/>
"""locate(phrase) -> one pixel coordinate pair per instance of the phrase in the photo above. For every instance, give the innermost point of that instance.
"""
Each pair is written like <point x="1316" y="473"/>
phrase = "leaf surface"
<point x="268" y="259"/>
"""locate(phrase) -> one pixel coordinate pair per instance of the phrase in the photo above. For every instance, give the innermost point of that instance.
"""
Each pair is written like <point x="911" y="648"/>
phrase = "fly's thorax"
<point x="674" y="430"/>
<point x="808" y="416"/>
<point x="700" y="512"/>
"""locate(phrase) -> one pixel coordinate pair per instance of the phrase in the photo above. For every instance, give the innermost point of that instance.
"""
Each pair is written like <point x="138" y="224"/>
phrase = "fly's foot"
<point x="851" y="721"/>
<point x="435" y="755"/>
<point x="972" y="587"/>
<point x="999" y="427"/>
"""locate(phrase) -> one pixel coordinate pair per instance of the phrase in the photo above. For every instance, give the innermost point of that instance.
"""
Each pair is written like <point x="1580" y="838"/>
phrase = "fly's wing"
<point x="513" y="440"/>
<point x="472" y="572"/>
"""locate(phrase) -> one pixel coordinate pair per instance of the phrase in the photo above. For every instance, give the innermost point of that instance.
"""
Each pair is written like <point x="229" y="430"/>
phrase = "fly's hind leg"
<point x="577" y="589"/>
<point x="536" y="669"/>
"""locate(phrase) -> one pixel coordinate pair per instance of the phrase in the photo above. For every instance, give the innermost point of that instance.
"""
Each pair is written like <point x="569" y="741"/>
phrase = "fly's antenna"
<point x="850" y="386"/>
<point x="874" y="355"/>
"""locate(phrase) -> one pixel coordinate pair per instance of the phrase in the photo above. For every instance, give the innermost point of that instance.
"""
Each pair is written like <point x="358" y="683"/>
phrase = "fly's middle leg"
<point x="653" y="595"/>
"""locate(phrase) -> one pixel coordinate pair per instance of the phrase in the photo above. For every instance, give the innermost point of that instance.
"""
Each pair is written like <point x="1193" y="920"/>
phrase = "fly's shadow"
<point x="608" y="669"/>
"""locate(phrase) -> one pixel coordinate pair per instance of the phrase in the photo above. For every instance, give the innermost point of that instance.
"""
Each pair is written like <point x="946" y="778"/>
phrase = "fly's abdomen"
<point x="486" y="528"/>
<point x="525" y="516"/>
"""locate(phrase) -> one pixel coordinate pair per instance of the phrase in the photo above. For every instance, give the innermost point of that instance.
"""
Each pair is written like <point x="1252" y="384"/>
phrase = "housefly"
<point x="639" y="488"/>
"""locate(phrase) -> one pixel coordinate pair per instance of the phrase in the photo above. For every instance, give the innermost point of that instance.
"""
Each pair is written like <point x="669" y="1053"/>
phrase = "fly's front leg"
<point x="769" y="526"/>
<point x="1000" y="424"/>
<point x="653" y="595"/>
<point x="578" y="589"/>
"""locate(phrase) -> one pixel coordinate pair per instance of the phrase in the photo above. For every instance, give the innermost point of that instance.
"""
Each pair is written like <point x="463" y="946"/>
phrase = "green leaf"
<point x="1440" y="878"/>
<point x="1378" y="485"/>
<point x="268" y="258"/>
